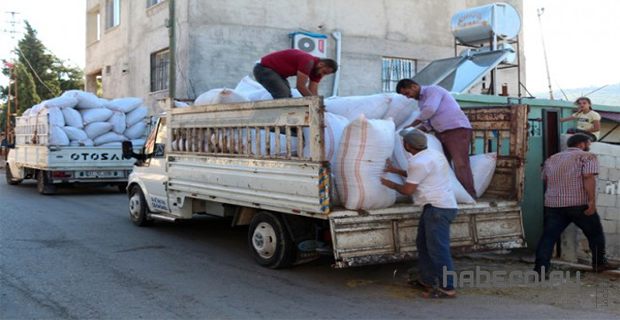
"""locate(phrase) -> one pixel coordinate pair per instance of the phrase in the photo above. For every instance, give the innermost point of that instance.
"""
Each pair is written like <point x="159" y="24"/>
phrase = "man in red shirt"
<point x="570" y="179"/>
<point x="275" y="67"/>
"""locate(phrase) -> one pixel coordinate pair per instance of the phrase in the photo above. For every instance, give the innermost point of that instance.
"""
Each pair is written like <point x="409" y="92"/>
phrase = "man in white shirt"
<point x="428" y="180"/>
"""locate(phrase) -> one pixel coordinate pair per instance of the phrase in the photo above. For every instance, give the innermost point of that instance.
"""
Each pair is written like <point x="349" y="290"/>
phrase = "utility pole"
<point x="540" y="12"/>
<point x="12" y="23"/>
<point x="171" y="53"/>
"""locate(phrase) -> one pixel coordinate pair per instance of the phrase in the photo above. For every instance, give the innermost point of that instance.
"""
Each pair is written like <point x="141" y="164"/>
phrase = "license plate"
<point x="101" y="174"/>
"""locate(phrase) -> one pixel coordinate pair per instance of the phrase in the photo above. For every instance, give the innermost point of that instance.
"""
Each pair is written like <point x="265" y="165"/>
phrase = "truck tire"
<point x="269" y="241"/>
<point x="138" y="210"/>
<point x="43" y="184"/>
<point x="9" y="176"/>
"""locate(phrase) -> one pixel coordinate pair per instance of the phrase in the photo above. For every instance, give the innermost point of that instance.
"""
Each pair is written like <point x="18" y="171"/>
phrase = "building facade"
<point x="218" y="42"/>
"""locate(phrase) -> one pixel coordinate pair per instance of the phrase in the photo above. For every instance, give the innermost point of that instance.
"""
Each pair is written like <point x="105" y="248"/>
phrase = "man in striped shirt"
<point x="570" y="197"/>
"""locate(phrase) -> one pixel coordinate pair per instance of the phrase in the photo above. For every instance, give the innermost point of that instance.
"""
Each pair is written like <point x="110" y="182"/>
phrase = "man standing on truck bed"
<point x="451" y="126"/>
<point x="570" y="197"/>
<point x="428" y="179"/>
<point x="274" y="68"/>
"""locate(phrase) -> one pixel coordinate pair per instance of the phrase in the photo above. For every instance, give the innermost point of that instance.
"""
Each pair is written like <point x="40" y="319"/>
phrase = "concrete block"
<point x="617" y="162"/>
<point x="606" y="200"/>
<point x="613" y="174"/>
<point x="609" y="226"/>
<point x="603" y="173"/>
<point x="607" y="161"/>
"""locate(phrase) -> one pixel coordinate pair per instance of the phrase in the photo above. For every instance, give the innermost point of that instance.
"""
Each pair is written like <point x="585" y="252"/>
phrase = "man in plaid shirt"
<point x="570" y="197"/>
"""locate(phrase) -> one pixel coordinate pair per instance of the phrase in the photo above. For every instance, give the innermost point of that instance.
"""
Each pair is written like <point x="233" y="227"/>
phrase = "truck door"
<point x="153" y="172"/>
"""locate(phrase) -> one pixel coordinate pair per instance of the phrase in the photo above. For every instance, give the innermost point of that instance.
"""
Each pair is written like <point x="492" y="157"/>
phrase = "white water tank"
<point x="479" y="24"/>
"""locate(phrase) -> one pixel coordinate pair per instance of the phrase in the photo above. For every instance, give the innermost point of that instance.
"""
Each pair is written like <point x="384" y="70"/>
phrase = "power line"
<point x="34" y="71"/>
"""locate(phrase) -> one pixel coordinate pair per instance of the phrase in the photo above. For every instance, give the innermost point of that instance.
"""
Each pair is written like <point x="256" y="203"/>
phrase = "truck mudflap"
<point x="383" y="236"/>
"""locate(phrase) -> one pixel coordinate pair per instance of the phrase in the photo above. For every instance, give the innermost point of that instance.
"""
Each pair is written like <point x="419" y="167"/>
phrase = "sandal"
<point x="419" y="283"/>
<point x="438" y="293"/>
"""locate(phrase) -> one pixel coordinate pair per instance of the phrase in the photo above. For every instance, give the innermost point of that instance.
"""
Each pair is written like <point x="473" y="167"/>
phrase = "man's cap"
<point x="414" y="137"/>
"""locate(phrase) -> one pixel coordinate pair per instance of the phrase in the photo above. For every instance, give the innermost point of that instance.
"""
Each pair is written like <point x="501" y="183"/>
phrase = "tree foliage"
<point x="40" y="74"/>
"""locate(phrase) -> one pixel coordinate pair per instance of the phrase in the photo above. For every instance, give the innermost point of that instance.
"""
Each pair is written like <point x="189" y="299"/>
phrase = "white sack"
<point x="136" y="116"/>
<point x="137" y="142"/>
<point x="57" y="137"/>
<point x="27" y="112"/>
<point x="61" y="102"/>
<point x="86" y="100"/>
<point x="55" y="117"/>
<point x="36" y="109"/>
<point x="82" y="143"/>
<point x="482" y="168"/>
<point x="118" y="121"/>
<point x="364" y="147"/>
<point x="180" y="104"/>
<point x="216" y="96"/>
<point x="252" y="90"/>
<point x="136" y="131"/>
<point x="373" y="106"/>
<point x="95" y="129"/>
<point x="73" y="118"/>
<point x="124" y="105"/>
<point x="75" y="133"/>
<point x="272" y="144"/>
<point x="334" y="126"/>
<point x="402" y="110"/>
<point x="109" y="137"/>
<point x="95" y="115"/>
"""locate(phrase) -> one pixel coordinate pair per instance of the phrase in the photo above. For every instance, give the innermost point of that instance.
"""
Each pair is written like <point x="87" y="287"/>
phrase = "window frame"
<point x="159" y="67"/>
<point x="112" y="13"/>
<point x="390" y="79"/>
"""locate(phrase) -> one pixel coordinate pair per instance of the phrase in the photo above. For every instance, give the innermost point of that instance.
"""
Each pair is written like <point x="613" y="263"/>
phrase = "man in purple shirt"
<point x="440" y="111"/>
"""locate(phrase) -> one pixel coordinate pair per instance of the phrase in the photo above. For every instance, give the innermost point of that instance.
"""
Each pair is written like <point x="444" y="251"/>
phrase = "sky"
<point x="580" y="37"/>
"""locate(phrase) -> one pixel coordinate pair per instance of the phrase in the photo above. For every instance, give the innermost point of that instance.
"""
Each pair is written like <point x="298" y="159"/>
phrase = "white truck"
<point x="203" y="160"/>
<point x="32" y="157"/>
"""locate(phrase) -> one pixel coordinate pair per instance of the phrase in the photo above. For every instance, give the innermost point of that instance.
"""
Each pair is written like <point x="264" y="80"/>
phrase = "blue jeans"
<point x="556" y="220"/>
<point x="433" y="243"/>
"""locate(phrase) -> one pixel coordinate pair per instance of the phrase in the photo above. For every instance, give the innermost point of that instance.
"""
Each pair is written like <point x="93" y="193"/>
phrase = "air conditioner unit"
<point x="312" y="43"/>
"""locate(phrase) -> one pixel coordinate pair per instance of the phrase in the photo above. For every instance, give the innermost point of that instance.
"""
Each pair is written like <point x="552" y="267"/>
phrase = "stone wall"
<point x="574" y="243"/>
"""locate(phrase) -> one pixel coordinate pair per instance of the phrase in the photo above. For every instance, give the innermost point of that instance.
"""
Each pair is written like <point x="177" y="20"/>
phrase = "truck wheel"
<point x="43" y="184"/>
<point x="9" y="176"/>
<point x="138" y="211"/>
<point x="269" y="241"/>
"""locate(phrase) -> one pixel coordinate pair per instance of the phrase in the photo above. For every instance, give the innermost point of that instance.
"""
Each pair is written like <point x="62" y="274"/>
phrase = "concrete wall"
<point x="218" y="42"/>
<point x="574" y="243"/>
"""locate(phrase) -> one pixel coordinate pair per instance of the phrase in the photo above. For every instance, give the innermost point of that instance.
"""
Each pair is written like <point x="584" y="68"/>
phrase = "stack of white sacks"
<point x="361" y="133"/>
<point x="79" y="118"/>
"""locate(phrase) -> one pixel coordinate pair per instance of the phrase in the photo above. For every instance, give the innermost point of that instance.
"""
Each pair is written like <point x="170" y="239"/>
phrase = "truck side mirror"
<point x="128" y="149"/>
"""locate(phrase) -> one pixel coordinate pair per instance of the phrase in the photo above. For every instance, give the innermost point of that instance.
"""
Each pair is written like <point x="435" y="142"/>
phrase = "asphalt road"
<point x="77" y="255"/>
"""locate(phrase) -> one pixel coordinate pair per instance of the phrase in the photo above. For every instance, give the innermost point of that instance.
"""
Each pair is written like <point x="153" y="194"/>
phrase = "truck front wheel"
<point x="9" y="176"/>
<point x="269" y="241"/>
<point x="138" y="211"/>
<point x="43" y="184"/>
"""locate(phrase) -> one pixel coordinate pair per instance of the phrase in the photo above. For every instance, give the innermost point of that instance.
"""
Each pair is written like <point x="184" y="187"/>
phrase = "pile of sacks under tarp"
<point x="361" y="133"/>
<point x="79" y="118"/>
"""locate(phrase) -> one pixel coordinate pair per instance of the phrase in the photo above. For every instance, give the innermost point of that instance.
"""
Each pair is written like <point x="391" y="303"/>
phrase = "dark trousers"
<point x="556" y="220"/>
<point x="272" y="81"/>
<point x="433" y="243"/>
<point x="456" y="144"/>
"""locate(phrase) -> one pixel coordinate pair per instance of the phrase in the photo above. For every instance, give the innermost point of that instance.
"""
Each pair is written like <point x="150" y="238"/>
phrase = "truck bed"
<point x="216" y="163"/>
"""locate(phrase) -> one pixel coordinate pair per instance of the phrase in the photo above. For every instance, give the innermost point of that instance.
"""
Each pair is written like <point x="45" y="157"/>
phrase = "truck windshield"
<point x="156" y="137"/>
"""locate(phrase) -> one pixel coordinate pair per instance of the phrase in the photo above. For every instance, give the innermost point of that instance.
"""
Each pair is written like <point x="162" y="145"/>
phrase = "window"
<point x="159" y="70"/>
<point x="394" y="69"/>
<point x="112" y="13"/>
<point x="93" y="26"/>
<point x="150" y="3"/>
